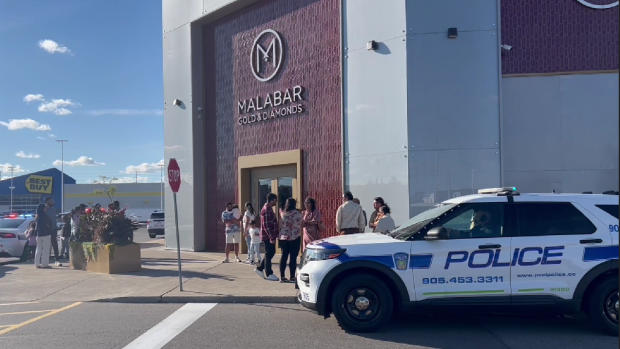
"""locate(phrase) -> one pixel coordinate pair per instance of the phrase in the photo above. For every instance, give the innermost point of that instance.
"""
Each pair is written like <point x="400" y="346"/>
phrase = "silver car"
<point x="13" y="237"/>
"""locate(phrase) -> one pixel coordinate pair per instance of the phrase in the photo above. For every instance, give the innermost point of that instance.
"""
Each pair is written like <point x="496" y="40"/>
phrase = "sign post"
<point x="174" y="179"/>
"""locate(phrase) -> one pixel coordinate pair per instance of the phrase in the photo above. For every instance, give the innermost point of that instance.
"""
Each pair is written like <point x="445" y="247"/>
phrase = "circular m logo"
<point x="606" y="4"/>
<point x="266" y="56"/>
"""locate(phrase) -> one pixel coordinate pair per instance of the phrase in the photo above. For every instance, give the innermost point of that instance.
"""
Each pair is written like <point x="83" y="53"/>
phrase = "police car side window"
<point x="480" y="220"/>
<point x="557" y="218"/>
<point x="611" y="209"/>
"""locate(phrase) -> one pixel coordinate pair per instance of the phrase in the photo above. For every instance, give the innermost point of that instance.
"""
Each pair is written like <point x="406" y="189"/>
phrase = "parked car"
<point x="13" y="237"/>
<point x="156" y="224"/>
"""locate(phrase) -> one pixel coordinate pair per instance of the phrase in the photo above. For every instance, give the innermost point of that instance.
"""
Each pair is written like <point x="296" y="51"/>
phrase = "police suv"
<point x="497" y="251"/>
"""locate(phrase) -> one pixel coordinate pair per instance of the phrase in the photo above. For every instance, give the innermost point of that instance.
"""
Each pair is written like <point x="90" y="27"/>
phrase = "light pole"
<point x="162" y="187"/>
<point x="62" y="179"/>
<point x="11" y="187"/>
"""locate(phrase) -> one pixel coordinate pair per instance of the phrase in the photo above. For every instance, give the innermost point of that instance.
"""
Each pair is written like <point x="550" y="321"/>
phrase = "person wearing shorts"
<point x="232" y="231"/>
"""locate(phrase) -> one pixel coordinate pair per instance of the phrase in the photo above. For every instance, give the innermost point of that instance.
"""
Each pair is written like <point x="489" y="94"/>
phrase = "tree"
<point x="108" y="189"/>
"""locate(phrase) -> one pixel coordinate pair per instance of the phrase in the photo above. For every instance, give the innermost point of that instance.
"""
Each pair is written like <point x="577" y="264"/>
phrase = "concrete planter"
<point x="108" y="259"/>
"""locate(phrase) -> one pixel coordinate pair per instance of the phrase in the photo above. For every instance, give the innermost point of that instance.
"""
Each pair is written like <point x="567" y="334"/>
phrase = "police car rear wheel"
<point x="362" y="303"/>
<point x="603" y="307"/>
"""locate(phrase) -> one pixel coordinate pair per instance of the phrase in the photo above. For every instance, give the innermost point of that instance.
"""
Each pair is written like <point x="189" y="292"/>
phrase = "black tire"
<point x="152" y="236"/>
<point x="362" y="290"/>
<point x="602" y="307"/>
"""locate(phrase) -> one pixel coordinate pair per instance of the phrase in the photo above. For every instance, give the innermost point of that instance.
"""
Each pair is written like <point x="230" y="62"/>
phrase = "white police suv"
<point x="498" y="251"/>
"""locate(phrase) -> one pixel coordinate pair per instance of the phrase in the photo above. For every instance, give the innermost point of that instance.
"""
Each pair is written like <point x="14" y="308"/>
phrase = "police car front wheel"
<point x="603" y="307"/>
<point x="362" y="303"/>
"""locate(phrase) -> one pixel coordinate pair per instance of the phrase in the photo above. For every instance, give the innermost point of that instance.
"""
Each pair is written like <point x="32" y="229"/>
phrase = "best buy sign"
<point x="39" y="184"/>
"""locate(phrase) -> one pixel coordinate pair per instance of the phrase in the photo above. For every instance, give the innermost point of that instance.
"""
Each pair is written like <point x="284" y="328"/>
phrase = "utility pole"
<point x="11" y="187"/>
<point x="136" y="176"/>
<point x="162" y="187"/>
<point x="62" y="179"/>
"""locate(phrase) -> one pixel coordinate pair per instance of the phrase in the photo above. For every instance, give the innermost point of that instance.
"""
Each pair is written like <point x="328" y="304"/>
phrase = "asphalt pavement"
<point x="68" y="325"/>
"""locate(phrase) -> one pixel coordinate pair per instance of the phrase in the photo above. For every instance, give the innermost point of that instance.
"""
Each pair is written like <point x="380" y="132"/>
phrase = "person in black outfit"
<point x="51" y="212"/>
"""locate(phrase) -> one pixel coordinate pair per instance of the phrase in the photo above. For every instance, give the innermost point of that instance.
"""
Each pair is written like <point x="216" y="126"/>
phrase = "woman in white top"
<point x="249" y="216"/>
<point x="386" y="223"/>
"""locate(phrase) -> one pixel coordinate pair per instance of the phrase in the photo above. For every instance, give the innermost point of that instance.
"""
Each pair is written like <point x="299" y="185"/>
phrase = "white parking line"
<point x="174" y="324"/>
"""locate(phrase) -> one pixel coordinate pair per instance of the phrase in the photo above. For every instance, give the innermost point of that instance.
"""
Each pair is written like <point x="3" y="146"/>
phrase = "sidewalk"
<point x="205" y="280"/>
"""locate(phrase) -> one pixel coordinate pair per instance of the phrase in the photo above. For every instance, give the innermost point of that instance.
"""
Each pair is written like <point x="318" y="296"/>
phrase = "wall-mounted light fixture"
<point x="506" y="47"/>
<point x="371" y="45"/>
<point x="453" y="33"/>
<point x="176" y="102"/>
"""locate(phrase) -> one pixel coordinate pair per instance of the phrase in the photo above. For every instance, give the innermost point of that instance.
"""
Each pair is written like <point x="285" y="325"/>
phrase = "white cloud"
<point x="144" y="168"/>
<point x="52" y="135"/>
<point x="52" y="46"/>
<point x="18" y="124"/>
<point x="31" y="98"/>
<point x="56" y="106"/>
<point x="39" y="137"/>
<point x="6" y="170"/>
<point x="81" y="161"/>
<point x="21" y="154"/>
<point x="126" y="112"/>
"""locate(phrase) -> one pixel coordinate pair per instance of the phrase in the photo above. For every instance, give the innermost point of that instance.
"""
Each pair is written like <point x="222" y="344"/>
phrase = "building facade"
<point x="31" y="189"/>
<point x="416" y="101"/>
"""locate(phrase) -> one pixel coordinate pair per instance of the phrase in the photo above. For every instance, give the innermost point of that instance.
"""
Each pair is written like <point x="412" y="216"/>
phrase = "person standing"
<point x="269" y="233"/>
<point x="51" y="212"/>
<point x="232" y="231"/>
<point x="31" y="235"/>
<point x="311" y="222"/>
<point x="45" y="226"/>
<point x="76" y="215"/>
<point x="249" y="216"/>
<point x="385" y="223"/>
<point x="373" y="217"/>
<point x="290" y="238"/>
<point x="255" y="243"/>
<point x="349" y="217"/>
<point x="357" y="201"/>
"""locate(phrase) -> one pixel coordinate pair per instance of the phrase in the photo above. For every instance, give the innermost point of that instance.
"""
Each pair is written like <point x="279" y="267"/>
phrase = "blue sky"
<point x="89" y="71"/>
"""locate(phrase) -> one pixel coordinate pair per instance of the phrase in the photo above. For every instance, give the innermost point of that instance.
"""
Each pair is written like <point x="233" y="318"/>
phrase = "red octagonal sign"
<point x="174" y="175"/>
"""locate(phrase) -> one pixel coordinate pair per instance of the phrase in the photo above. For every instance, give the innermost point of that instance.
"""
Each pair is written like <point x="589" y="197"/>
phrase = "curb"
<point x="203" y="299"/>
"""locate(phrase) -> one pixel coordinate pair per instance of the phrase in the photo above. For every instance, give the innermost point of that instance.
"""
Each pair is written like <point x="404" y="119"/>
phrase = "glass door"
<point x="280" y="180"/>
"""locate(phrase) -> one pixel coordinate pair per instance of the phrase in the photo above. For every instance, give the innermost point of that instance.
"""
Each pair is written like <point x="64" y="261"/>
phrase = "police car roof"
<point x="600" y="199"/>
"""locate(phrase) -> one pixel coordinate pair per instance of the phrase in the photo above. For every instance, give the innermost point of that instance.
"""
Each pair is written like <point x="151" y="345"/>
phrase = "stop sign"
<point x="174" y="175"/>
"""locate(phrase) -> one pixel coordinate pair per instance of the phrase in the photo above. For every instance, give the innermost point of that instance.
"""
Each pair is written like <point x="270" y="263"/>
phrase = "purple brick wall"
<point x="310" y="30"/>
<point x="555" y="36"/>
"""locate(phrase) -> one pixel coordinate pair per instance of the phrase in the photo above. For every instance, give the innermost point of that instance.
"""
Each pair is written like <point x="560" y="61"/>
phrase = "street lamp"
<point x="11" y="187"/>
<point x="162" y="187"/>
<point x="62" y="179"/>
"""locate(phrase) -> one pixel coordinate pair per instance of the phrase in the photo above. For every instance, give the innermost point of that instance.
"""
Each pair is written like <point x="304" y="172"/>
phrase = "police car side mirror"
<point x="436" y="233"/>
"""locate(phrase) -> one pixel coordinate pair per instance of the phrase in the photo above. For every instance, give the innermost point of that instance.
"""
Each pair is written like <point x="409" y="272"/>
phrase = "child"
<point x="256" y="240"/>
<point x="66" y="235"/>
<point x="236" y="212"/>
<point x="31" y="235"/>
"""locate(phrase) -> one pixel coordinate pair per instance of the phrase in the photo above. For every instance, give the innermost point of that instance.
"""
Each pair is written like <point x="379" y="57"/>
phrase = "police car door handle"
<point x="482" y="247"/>
<point x="591" y="241"/>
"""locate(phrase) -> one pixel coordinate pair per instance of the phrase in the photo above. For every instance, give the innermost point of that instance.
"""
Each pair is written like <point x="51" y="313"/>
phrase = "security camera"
<point x="507" y="47"/>
<point x="176" y="102"/>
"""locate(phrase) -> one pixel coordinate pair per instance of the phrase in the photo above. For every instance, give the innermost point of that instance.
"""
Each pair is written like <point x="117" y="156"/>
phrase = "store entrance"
<point x="279" y="180"/>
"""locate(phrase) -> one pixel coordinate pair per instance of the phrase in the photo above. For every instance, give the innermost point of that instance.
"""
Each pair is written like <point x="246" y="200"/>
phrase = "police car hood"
<point x="353" y="239"/>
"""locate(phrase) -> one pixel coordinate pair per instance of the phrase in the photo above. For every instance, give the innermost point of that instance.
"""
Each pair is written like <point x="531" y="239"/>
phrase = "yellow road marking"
<point x="18" y="303"/>
<point x="27" y="312"/>
<point x="6" y="326"/>
<point x="53" y="312"/>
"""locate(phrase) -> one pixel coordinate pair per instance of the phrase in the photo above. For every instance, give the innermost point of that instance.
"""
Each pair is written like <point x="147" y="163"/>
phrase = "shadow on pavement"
<point x="452" y="331"/>
<point x="4" y="269"/>
<point x="187" y="274"/>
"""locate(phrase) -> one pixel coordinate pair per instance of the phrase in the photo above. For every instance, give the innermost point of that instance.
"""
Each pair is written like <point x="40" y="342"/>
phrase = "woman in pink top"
<point x="290" y="238"/>
<point x="310" y="223"/>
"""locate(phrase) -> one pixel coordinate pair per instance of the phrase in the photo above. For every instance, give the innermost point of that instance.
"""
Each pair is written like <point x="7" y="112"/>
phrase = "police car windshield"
<point x="412" y="226"/>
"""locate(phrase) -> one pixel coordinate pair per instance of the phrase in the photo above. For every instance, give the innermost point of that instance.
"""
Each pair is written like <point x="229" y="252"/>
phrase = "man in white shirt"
<point x="350" y="216"/>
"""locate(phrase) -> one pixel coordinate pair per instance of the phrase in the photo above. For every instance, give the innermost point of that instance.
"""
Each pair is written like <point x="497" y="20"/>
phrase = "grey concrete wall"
<point x="375" y="104"/>
<point x="453" y="100"/>
<point x="561" y="133"/>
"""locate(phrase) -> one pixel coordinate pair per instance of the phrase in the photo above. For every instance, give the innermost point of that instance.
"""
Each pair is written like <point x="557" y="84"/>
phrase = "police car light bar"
<point x="497" y="190"/>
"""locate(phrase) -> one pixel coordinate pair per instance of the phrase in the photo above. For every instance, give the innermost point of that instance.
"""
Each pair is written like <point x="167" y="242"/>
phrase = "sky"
<point x="86" y="71"/>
